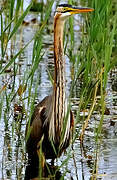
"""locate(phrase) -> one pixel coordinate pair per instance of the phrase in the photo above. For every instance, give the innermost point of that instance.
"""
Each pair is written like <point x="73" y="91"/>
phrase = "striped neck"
<point x="59" y="105"/>
<point x="59" y="81"/>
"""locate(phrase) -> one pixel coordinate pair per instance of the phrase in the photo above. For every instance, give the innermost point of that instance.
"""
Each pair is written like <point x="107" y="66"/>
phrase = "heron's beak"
<point x="77" y="10"/>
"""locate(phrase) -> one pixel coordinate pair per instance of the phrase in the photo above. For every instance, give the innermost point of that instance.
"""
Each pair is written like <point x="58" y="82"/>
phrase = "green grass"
<point x="91" y="64"/>
<point x="95" y="61"/>
<point x="9" y="28"/>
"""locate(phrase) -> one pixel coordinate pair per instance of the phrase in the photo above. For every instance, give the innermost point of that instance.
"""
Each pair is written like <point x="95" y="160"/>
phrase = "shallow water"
<point x="82" y="159"/>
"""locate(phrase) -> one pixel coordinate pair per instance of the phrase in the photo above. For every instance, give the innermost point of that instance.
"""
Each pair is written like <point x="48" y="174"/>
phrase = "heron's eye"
<point x="64" y="9"/>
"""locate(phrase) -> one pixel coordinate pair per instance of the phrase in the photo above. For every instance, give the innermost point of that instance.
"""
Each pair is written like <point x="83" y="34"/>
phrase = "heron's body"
<point x="52" y="123"/>
<point x="40" y="129"/>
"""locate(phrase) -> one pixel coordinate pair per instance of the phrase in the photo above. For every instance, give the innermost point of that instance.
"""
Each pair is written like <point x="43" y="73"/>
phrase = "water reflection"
<point x="48" y="172"/>
<point x="83" y="158"/>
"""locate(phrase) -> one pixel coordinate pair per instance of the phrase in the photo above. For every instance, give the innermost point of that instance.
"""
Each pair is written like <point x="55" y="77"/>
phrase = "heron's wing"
<point x="71" y="119"/>
<point x="34" y="130"/>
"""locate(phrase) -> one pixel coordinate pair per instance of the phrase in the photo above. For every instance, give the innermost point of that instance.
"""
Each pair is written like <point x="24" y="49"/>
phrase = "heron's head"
<point x="66" y="10"/>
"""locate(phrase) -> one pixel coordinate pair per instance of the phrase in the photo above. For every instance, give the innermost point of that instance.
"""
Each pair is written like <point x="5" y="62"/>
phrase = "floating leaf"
<point x="21" y="89"/>
<point x="3" y="88"/>
<point x="17" y="108"/>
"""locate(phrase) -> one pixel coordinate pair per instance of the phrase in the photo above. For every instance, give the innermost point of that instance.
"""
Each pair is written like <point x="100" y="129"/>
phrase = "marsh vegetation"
<point x="26" y="76"/>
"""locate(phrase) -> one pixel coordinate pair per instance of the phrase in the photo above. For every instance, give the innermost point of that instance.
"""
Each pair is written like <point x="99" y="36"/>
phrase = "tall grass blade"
<point x="2" y="39"/>
<point x="19" y="21"/>
<point x="14" y="58"/>
<point x="11" y="8"/>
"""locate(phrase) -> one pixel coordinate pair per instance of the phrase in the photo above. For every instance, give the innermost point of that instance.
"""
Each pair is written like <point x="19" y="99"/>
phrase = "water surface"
<point x="82" y="159"/>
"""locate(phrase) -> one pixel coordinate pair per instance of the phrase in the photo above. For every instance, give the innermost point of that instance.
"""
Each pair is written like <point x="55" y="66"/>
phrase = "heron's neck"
<point x="58" y="40"/>
<point x="57" y="110"/>
<point x="59" y="81"/>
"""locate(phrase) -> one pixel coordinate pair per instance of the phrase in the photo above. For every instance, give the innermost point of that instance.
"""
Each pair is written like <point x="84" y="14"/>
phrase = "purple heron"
<point x="51" y="125"/>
